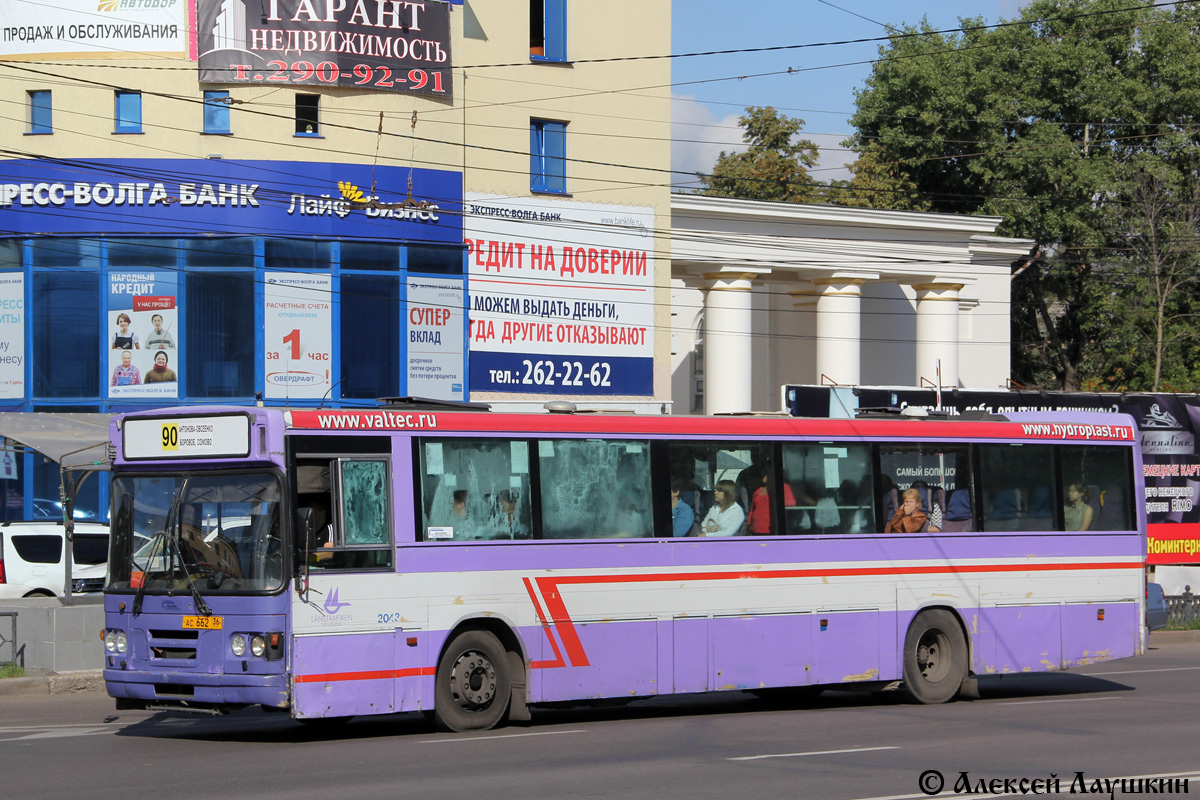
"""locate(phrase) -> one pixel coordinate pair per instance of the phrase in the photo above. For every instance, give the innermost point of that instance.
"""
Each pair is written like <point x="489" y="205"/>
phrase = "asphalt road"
<point x="1129" y="718"/>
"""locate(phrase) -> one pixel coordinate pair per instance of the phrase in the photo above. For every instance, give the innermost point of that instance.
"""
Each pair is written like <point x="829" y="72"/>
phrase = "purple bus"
<point x="470" y="564"/>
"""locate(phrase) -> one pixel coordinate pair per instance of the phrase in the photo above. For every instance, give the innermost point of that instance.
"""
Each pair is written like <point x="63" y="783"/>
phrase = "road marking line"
<point x="812" y="753"/>
<point x="1137" y="671"/>
<point x="493" y="738"/>
<point x="1076" y="700"/>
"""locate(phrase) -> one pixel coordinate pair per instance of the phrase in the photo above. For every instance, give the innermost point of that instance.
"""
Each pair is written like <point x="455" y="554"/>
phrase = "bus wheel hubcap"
<point x="932" y="655"/>
<point x="473" y="681"/>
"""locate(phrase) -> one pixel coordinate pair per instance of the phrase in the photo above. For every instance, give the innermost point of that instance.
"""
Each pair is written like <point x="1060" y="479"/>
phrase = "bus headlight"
<point x="238" y="645"/>
<point x="116" y="641"/>
<point x="258" y="645"/>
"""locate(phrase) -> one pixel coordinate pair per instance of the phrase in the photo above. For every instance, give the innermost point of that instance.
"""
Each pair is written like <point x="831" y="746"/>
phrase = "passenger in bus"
<point x="760" y="503"/>
<point x="460" y="517"/>
<point x="909" y="518"/>
<point x="726" y="516"/>
<point x="1077" y="514"/>
<point x="511" y="526"/>
<point x="682" y="516"/>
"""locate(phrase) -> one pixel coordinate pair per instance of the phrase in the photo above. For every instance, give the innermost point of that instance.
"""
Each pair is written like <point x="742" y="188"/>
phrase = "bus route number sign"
<point x="212" y="436"/>
<point x="170" y="437"/>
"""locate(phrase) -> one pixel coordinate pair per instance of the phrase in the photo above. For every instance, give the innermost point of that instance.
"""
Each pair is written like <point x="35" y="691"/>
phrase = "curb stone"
<point x="82" y="681"/>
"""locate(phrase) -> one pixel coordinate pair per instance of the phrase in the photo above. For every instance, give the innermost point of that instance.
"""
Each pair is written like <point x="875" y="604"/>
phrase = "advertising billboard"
<point x="12" y="335"/>
<point x="92" y="28"/>
<point x="562" y="296"/>
<point x="142" y="337"/>
<point x="298" y="335"/>
<point x="362" y="44"/>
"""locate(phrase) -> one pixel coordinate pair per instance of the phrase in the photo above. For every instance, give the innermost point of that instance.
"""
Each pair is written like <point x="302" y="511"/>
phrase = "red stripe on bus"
<point x="558" y="659"/>
<point x="565" y="626"/>
<point x="375" y="675"/>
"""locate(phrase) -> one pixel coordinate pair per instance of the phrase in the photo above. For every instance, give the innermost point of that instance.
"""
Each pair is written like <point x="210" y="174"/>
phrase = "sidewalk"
<point x="87" y="680"/>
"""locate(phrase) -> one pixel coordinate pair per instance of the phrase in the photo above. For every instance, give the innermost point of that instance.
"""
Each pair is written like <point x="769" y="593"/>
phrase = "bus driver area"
<point x="502" y="561"/>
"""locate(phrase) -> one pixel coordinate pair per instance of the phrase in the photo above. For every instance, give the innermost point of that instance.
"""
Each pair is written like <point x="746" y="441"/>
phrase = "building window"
<point x="307" y="118"/>
<point x="547" y="152"/>
<point x="372" y="323"/>
<point x="548" y="30"/>
<point x="128" y="116"/>
<point x="66" y="325"/>
<point x="220" y="334"/>
<point x="216" y="112"/>
<point x="39" y="112"/>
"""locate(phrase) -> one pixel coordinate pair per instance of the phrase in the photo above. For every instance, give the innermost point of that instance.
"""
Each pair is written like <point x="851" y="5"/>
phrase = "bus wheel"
<point x="935" y="657"/>
<point x="473" y="685"/>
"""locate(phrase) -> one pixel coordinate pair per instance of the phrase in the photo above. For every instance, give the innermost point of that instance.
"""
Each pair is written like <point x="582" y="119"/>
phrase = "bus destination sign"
<point x="223" y="436"/>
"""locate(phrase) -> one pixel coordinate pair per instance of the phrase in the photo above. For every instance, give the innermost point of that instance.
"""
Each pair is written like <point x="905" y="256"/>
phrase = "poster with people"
<point x="143" y="335"/>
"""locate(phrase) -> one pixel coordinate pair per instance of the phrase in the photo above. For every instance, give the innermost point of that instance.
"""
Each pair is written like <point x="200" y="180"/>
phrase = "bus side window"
<point x="595" y="489"/>
<point x="1105" y="475"/>
<point x="833" y="488"/>
<point x="474" y="489"/>
<point x="1018" y="487"/>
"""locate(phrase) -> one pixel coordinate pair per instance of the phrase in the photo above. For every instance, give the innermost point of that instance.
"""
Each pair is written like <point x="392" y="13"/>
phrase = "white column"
<point x="937" y="332"/>
<point x="839" y="330"/>
<point x="727" y="343"/>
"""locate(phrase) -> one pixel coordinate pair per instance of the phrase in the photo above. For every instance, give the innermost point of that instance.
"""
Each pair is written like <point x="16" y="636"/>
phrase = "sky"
<point x="711" y="92"/>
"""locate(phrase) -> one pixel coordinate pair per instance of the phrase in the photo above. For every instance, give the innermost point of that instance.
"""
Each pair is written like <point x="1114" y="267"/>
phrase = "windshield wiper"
<point x="174" y="535"/>
<point x="172" y="511"/>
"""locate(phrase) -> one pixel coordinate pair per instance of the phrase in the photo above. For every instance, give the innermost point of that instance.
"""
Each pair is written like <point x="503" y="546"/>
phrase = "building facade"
<point x="769" y="294"/>
<point x="324" y="203"/>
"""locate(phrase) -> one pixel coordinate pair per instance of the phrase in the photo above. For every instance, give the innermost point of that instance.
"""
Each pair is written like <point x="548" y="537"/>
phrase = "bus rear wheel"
<point x="473" y="685"/>
<point x="935" y="657"/>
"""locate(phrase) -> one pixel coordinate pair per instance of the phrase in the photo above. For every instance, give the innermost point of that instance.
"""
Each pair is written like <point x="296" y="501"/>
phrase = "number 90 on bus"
<point x="170" y="436"/>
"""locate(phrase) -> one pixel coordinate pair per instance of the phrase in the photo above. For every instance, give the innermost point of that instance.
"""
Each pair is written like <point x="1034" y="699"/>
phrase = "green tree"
<point x="1047" y="124"/>
<point x="774" y="166"/>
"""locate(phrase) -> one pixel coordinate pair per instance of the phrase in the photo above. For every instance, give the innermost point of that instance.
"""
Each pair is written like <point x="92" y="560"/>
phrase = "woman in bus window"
<point x="726" y="516"/>
<point x="909" y="518"/>
<point x="760" y="503"/>
<point x="1078" y="512"/>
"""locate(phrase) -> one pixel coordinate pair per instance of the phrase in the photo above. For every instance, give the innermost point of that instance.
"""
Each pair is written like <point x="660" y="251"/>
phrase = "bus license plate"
<point x="203" y="623"/>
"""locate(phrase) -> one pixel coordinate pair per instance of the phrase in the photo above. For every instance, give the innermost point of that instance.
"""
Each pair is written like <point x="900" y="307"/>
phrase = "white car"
<point x="31" y="558"/>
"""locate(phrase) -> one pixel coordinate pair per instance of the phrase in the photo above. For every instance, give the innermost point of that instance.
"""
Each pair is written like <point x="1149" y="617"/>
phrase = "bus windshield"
<point x="216" y="532"/>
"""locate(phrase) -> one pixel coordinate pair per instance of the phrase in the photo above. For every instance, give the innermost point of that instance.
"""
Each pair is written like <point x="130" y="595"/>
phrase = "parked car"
<point x="31" y="556"/>
<point x="1156" y="607"/>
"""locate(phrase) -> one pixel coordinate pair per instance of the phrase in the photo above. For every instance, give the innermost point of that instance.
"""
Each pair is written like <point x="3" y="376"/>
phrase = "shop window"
<point x="66" y="332"/>
<point x="435" y="260"/>
<point x="128" y="116"/>
<point x="297" y="254"/>
<point x="371" y="326"/>
<point x="142" y="253"/>
<point x="547" y="156"/>
<point x="225" y="253"/>
<point x="10" y="253"/>
<point x="548" y="30"/>
<point x="220" y="329"/>
<point x="373" y="256"/>
<point x="40" y="112"/>
<point x="308" y="115"/>
<point x="216" y="112"/>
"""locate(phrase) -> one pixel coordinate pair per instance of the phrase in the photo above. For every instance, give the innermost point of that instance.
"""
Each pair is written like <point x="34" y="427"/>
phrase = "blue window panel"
<point x="297" y="254"/>
<point x="547" y="162"/>
<point x="66" y="333"/>
<point x="436" y="260"/>
<point x="371" y="326"/>
<point x="220" y="332"/>
<point x="216" y="112"/>
<point x="556" y="30"/>
<point x="227" y="253"/>
<point x="128" y="112"/>
<point x="373" y="256"/>
<point x="40" y="116"/>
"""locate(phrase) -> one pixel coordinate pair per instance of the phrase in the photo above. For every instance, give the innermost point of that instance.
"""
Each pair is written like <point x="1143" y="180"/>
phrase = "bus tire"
<point x="473" y="686"/>
<point x="935" y="657"/>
